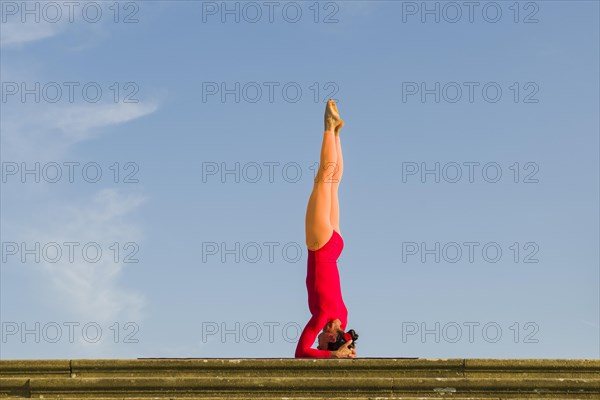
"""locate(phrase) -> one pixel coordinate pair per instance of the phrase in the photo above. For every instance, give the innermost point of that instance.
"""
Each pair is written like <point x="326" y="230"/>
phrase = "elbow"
<point x="301" y="354"/>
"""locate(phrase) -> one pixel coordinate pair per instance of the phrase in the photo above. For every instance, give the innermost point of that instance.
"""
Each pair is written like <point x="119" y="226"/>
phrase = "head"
<point x="333" y="337"/>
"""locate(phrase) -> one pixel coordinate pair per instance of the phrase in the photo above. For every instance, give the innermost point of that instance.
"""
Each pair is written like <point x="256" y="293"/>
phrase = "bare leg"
<point x="337" y="178"/>
<point x="318" y="212"/>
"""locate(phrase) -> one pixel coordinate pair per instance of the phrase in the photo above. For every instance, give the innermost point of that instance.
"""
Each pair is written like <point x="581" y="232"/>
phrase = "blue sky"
<point x="188" y="93"/>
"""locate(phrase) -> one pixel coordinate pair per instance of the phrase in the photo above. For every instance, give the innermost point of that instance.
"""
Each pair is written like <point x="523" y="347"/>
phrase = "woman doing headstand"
<point x="324" y="243"/>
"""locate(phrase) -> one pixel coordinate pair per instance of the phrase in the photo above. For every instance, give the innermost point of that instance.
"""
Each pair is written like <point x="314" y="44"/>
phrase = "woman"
<point x="325" y="244"/>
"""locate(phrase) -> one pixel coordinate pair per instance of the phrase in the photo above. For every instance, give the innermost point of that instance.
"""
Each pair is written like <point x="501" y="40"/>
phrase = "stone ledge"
<point x="382" y="378"/>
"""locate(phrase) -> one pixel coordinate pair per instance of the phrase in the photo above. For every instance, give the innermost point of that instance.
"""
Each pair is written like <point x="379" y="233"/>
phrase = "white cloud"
<point x="77" y="122"/>
<point x="48" y="134"/>
<point x="40" y="132"/>
<point x="16" y="33"/>
<point x="46" y="20"/>
<point x="87" y="289"/>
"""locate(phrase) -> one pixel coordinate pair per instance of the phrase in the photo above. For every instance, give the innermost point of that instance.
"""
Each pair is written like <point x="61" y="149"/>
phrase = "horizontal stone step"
<point x="300" y="383"/>
<point x="269" y="367"/>
<point x="297" y="396"/>
<point x="16" y="368"/>
<point x="304" y="367"/>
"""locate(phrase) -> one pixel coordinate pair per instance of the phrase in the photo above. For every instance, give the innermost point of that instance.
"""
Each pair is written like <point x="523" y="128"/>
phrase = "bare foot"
<point x="341" y="124"/>
<point x="333" y="122"/>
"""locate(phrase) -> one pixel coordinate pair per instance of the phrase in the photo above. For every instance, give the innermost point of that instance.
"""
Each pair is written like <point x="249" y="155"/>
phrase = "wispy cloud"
<point x="588" y="323"/>
<point x="87" y="291"/>
<point x="48" y="134"/>
<point x="17" y="34"/>
<point x="90" y="290"/>
<point x="77" y="122"/>
<point x="42" y="22"/>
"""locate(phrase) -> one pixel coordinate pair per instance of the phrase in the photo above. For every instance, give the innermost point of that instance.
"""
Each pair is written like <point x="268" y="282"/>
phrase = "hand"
<point x="344" y="351"/>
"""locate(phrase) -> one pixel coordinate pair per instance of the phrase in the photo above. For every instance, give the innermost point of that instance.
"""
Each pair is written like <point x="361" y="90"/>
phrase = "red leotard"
<point x="324" y="296"/>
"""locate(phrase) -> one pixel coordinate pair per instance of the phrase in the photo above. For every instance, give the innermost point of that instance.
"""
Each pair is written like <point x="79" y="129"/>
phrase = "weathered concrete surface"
<point x="363" y="378"/>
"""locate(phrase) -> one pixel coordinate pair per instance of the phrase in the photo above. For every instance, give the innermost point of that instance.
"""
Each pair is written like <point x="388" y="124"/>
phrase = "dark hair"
<point x="342" y="338"/>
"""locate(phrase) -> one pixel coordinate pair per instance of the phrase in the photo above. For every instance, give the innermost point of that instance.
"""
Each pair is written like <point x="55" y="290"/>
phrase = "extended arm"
<point x="307" y="338"/>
